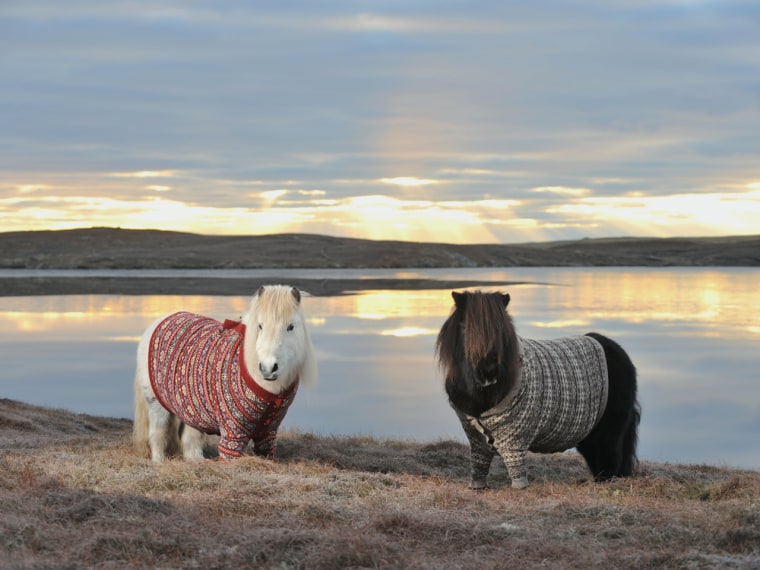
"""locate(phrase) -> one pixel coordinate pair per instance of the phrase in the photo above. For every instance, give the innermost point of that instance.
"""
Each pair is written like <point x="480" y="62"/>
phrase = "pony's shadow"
<point x="367" y="454"/>
<point x="442" y="458"/>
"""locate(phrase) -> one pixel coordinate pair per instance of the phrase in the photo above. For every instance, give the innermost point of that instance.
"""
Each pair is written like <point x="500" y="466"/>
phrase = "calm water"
<point x="693" y="334"/>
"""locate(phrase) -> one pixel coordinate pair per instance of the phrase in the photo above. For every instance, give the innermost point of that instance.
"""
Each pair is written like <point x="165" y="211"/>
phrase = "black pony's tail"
<point x="630" y="462"/>
<point x="610" y="448"/>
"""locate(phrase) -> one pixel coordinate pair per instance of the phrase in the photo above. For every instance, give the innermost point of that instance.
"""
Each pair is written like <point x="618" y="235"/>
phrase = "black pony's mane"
<point x="478" y="331"/>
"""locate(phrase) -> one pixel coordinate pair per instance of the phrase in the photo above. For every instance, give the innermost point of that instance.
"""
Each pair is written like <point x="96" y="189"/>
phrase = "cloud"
<point x="144" y="174"/>
<point x="682" y="214"/>
<point x="408" y="181"/>
<point x="562" y="190"/>
<point x="384" y="217"/>
<point x="32" y="188"/>
<point x="231" y="106"/>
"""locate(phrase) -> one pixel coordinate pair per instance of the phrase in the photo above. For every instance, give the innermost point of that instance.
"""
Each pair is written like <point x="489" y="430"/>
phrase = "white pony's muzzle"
<point x="269" y="371"/>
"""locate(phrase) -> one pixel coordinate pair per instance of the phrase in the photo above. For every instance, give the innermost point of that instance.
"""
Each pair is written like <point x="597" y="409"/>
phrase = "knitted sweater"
<point x="560" y="396"/>
<point x="198" y="373"/>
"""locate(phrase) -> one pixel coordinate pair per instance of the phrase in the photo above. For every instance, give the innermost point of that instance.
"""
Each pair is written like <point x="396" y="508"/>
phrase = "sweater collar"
<point x="514" y="392"/>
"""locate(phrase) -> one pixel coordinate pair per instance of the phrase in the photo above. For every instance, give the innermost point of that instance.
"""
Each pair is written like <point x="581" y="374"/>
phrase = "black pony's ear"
<point x="505" y="299"/>
<point x="460" y="299"/>
<point x="296" y="294"/>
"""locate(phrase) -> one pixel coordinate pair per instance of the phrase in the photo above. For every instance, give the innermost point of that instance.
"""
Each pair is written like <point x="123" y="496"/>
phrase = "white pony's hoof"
<point x="520" y="483"/>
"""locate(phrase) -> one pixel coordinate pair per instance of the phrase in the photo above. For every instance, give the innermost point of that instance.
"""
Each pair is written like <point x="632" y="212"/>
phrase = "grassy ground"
<point x="73" y="495"/>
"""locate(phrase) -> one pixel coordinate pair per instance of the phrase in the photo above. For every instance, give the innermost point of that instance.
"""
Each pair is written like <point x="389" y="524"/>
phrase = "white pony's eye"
<point x="290" y="327"/>
<point x="261" y="328"/>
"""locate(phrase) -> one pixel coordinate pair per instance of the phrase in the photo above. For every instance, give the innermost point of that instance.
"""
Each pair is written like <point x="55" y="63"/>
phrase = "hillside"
<point x="100" y="248"/>
<point x="74" y="495"/>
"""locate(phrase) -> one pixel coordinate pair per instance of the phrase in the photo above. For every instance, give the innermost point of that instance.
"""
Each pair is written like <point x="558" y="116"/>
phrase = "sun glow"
<point x="383" y="304"/>
<point x="692" y="214"/>
<point x="144" y="174"/>
<point x="273" y="195"/>
<point x="538" y="215"/>
<point x="30" y="188"/>
<point x="408" y="332"/>
<point x="562" y="190"/>
<point x="409" y="181"/>
<point x="564" y="323"/>
<point x="652" y="296"/>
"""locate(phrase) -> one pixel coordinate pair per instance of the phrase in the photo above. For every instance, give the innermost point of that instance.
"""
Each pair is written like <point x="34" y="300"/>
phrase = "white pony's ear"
<point x="296" y="294"/>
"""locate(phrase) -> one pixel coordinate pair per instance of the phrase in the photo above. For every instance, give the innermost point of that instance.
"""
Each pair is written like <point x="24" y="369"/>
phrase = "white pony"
<point x="235" y="379"/>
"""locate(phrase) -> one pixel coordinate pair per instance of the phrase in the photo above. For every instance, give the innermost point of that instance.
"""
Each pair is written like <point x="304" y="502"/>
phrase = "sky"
<point x="445" y="121"/>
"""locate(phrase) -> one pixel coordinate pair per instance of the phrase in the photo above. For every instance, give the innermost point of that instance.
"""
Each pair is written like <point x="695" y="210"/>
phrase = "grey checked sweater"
<point x="560" y="396"/>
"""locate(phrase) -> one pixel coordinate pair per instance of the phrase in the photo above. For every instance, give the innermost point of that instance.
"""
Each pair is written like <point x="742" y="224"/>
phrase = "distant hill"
<point x="113" y="248"/>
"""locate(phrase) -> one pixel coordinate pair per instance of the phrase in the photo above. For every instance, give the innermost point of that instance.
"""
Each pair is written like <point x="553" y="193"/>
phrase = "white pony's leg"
<point x="159" y="432"/>
<point x="193" y="441"/>
<point x="162" y="425"/>
<point x="141" y="422"/>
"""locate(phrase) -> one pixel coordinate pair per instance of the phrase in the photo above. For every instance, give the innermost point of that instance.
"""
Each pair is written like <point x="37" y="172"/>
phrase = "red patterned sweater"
<point x="198" y="373"/>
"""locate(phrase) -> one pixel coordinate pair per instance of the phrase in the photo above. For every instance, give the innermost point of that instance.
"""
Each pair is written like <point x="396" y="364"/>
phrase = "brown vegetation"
<point x="113" y="248"/>
<point x="74" y="495"/>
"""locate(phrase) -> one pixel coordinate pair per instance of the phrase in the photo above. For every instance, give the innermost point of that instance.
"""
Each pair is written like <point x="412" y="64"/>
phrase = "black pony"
<point x="514" y="395"/>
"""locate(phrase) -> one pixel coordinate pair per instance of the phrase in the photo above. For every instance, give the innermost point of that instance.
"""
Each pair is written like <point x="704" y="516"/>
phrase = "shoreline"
<point x="120" y="249"/>
<point x="37" y="286"/>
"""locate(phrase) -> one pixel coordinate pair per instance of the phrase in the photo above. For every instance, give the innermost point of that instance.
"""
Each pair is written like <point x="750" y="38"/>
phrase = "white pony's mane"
<point x="274" y="302"/>
<point x="277" y="304"/>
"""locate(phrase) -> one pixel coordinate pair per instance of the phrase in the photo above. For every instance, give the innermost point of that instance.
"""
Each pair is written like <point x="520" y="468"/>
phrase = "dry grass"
<point x="74" y="495"/>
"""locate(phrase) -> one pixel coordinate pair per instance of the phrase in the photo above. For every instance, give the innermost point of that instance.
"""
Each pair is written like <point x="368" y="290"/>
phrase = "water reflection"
<point x="691" y="332"/>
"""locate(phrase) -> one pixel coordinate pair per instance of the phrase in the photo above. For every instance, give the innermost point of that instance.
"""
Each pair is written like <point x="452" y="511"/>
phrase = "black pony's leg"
<point x="610" y="448"/>
<point x="602" y="455"/>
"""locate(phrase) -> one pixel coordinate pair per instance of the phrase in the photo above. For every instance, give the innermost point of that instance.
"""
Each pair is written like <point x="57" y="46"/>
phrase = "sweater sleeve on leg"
<point x="231" y="445"/>
<point x="515" y="462"/>
<point x="266" y="446"/>
<point x="481" y="452"/>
